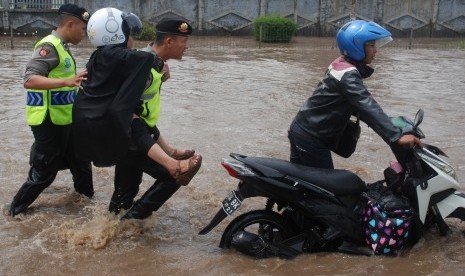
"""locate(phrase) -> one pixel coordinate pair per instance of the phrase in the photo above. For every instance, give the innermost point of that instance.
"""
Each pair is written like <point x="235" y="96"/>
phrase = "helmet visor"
<point x="382" y="41"/>
<point x="134" y="24"/>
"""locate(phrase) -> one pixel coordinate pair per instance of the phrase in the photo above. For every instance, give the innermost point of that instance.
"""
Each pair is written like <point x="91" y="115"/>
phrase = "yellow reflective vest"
<point x="58" y="102"/>
<point x="151" y="100"/>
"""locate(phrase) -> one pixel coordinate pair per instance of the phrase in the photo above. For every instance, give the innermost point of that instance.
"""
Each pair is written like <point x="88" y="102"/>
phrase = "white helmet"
<point x="105" y="27"/>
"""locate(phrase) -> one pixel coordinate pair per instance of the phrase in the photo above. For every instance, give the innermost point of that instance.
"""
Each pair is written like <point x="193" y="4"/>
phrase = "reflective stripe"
<point x="146" y="97"/>
<point x="63" y="97"/>
<point x="35" y="98"/>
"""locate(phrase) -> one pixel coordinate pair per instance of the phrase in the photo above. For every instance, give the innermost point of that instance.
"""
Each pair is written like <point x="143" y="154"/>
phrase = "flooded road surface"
<point x="221" y="100"/>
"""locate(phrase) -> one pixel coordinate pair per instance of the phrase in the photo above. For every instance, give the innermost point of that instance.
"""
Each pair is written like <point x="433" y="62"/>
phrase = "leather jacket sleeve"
<point x="340" y="94"/>
<point x="369" y="110"/>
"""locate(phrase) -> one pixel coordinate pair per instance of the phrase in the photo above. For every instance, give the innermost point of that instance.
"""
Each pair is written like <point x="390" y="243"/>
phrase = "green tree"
<point x="148" y="32"/>
<point x="274" y="29"/>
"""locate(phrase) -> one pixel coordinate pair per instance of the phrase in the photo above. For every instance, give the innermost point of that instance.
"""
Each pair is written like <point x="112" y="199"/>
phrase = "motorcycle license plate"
<point x="231" y="203"/>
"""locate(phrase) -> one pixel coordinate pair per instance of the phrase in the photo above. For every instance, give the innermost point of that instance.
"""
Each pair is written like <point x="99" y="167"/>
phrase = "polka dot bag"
<point x="386" y="222"/>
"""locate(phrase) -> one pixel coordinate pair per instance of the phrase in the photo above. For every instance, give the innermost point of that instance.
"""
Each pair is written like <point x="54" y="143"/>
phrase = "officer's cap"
<point x="74" y="10"/>
<point x="174" y="26"/>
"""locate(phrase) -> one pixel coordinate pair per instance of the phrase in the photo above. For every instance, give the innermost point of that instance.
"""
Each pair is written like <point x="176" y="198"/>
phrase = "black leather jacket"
<point x="103" y="109"/>
<point x="339" y="95"/>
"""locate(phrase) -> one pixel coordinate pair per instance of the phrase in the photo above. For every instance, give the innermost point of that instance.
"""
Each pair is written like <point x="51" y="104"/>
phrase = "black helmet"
<point x="134" y="24"/>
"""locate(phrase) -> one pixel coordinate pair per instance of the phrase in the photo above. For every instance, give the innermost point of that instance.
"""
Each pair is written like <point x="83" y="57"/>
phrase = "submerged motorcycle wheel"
<point x="268" y="225"/>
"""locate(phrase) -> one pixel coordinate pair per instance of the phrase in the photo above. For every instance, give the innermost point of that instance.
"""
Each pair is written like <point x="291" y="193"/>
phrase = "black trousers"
<point x="51" y="152"/>
<point x="308" y="150"/>
<point x="128" y="177"/>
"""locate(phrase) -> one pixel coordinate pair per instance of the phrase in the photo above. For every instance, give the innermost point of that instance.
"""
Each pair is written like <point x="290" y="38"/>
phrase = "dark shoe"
<point x="82" y="178"/>
<point x="14" y="208"/>
<point x="116" y="208"/>
<point x="152" y="199"/>
<point x="137" y="212"/>
<point x="88" y="193"/>
<point x="352" y="248"/>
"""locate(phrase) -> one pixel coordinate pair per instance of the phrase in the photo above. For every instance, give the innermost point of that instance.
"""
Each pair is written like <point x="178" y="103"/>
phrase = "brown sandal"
<point x="177" y="172"/>
<point x="184" y="178"/>
<point x="186" y="155"/>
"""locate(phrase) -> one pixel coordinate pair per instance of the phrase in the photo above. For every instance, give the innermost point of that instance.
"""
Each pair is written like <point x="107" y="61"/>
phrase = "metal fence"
<point x="37" y="4"/>
<point x="221" y="43"/>
<point x="426" y="18"/>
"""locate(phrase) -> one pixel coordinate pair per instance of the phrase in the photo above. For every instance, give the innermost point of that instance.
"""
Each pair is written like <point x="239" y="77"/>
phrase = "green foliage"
<point x="461" y="44"/>
<point x="148" y="32"/>
<point x="274" y="29"/>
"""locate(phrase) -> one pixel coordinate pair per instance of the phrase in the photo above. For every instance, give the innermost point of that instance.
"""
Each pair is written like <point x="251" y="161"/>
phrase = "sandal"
<point x="186" y="155"/>
<point x="184" y="178"/>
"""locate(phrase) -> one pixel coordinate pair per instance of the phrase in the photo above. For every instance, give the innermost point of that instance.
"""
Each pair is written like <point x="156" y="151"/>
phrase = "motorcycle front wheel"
<point x="268" y="225"/>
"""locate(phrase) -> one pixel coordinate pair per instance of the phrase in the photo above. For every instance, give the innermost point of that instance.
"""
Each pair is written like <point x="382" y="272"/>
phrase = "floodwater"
<point x="221" y="100"/>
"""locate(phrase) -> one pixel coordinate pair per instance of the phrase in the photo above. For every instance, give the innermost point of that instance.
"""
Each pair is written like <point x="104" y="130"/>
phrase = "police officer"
<point x="51" y="82"/>
<point x="170" y="43"/>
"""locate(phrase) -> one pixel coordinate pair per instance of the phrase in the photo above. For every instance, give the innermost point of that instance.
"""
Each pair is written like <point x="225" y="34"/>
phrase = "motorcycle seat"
<point x="336" y="181"/>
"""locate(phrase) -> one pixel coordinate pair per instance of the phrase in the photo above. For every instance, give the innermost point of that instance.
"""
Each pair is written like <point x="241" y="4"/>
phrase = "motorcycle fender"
<point x="220" y="215"/>
<point x="434" y="186"/>
<point x="229" y="205"/>
<point x="451" y="203"/>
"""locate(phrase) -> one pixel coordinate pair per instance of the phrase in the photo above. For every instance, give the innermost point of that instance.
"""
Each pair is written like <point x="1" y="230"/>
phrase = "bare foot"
<point x="187" y="169"/>
<point x="182" y="154"/>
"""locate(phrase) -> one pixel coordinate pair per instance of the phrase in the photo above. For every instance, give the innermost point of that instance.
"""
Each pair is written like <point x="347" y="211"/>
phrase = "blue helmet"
<point x="351" y="38"/>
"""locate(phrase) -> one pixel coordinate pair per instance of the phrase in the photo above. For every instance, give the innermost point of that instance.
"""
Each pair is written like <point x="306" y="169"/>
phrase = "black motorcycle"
<point x="312" y="209"/>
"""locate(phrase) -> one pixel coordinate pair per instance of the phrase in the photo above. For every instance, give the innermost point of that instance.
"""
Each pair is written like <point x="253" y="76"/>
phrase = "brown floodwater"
<point x="222" y="98"/>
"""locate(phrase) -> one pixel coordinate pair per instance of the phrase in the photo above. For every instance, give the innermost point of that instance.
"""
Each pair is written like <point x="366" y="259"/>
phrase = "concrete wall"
<point x="213" y="17"/>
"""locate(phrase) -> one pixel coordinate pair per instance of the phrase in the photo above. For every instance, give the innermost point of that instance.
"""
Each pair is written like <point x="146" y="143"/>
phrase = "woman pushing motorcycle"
<point x="312" y="207"/>
<point x="321" y="123"/>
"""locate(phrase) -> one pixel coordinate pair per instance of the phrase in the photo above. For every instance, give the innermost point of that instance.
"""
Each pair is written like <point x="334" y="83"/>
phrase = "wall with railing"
<point x="33" y="4"/>
<point x="427" y="18"/>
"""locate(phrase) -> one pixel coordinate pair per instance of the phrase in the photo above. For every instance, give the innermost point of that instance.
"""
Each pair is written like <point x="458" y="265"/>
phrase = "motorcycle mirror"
<point x="419" y="117"/>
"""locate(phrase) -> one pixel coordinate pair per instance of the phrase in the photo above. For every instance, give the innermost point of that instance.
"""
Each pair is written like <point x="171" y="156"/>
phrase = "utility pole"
<point x="295" y="12"/>
<point x="352" y="12"/>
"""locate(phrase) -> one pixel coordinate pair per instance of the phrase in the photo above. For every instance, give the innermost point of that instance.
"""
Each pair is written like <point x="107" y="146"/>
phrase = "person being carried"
<point x="51" y="81"/>
<point x="170" y="43"/>
<point x="319" y="124"/>
<point x="107" y="111"/>
<point x="104" y="107"/>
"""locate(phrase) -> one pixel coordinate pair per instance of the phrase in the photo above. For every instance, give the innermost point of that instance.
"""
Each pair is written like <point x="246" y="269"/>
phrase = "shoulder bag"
<point x="349" y="138"/>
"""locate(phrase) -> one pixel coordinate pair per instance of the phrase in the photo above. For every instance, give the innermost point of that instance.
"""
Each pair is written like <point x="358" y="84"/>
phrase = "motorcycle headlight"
<point x="440" y="164"/>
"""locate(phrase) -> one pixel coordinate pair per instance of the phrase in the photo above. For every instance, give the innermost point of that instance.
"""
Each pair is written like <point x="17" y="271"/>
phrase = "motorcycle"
<point x="312" y="210"/>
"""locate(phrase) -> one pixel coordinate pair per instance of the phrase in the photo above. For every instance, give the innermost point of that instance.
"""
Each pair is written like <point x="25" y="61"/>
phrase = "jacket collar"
<point x="365" y="70"/>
